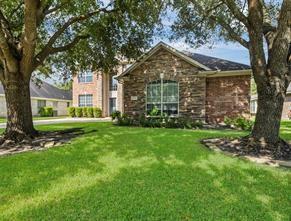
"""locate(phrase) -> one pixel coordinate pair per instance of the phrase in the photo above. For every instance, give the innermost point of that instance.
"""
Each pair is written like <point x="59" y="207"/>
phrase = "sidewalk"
<point x="65" y="120"/>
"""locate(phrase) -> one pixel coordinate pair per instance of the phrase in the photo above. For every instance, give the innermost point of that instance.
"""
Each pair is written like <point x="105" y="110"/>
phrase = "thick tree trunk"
<point x="268" y="117"/>
<point x="19" y="114"/>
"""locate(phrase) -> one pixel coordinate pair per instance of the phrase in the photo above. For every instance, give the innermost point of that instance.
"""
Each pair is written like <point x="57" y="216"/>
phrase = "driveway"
<point x="65" y="120"/>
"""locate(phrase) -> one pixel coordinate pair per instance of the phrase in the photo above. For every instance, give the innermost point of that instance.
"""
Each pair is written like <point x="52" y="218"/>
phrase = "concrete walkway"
<point x="65" y="120"/>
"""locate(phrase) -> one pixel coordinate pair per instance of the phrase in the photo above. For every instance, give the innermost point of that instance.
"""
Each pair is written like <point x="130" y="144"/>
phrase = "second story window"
<point x="85" y="77"/>
<point x="113" y="83"/>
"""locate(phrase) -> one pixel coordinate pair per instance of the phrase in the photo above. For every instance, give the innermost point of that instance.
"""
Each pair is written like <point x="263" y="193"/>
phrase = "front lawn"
<point x="121" y="173"/>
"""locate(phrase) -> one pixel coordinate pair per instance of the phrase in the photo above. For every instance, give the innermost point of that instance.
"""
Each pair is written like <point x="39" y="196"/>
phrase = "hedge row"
<point x="84" y="112"/>
<point x="46" y="111"/>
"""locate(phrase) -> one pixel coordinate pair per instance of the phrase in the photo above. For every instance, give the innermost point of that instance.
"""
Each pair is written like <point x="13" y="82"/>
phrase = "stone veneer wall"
<point x="227" y="96"/>
<point x="191" y="87"/>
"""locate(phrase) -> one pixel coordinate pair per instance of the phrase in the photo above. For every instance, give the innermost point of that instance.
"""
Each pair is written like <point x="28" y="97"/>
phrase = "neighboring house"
<point x="176" y="83"/>
<point x="286" y="107"/>
<point x="43" y="95"/>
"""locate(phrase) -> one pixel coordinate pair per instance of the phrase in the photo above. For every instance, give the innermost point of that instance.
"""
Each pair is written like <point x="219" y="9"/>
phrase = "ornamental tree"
<point x="67" y="36"/>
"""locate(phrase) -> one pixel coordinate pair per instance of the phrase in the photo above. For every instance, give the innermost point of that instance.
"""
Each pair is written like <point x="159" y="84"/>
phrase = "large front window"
<point x="163" y="95"/>
<point x="85" y="77"/>
<point x="86" y="100"/>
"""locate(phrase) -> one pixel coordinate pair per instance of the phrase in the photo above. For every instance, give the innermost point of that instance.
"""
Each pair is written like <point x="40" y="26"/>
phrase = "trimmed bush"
<point x="241" y="123"/>
<point x="90" y="112"/>
<point x="46" y="111"/>
<point x="79" y="112"/>
<point x="71" y="111"/>
<point x="115" y="115"/>
<point x="85" y="114"/>
<point x="97" y="112"/>
<point x="159" y="121"/>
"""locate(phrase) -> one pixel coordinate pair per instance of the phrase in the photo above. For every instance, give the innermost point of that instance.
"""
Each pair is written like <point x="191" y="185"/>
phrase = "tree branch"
<point x="56" y="8"/>
<point x="6" y="53"/>
<point x="53" y="50"/>
<point x="5" y="25"/>
<point x="49" y="46"/>
<point x="231" y="32"/>
<point x="236" y="11"/>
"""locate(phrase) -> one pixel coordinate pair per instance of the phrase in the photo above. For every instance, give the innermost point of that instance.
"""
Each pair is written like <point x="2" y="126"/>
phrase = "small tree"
<point x="67" y="36"/>
<point x="263" y="28"/>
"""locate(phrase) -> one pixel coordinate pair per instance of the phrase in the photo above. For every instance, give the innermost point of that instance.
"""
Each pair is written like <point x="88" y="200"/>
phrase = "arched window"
<point x="163" y="95"/>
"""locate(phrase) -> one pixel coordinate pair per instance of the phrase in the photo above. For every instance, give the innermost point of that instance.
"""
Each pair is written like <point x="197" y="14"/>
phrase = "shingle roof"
<point x="46" y="90"/>
<point x="205" y="63"/>
<point x="217" y="63"/>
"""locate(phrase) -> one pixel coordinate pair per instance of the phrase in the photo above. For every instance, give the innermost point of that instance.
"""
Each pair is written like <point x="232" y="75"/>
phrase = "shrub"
<point x="79" y="111"/>
<point x="124" y="120"/>
<point x="46" y="111"/>
<point x="97" y="112"/>
<point x="115" y="115"/>
<point x="241" y="123"/>
<point x="85" y="114"/>
<point x="90" y="112"/>
<point x="71" y="111"/>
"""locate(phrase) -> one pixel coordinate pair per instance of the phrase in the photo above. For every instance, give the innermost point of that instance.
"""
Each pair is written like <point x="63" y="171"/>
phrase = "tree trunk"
<point x="268" y="118"/>
<point x="19" y="114"/>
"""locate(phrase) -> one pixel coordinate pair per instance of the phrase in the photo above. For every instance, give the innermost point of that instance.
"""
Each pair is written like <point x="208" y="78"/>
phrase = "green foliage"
<point x="115" y="115"/>
<point x="159" y="122"/>
<point x="79" y="112"/>
<point x="46" y="111"/>
<point x="240" y="122"/>
<point x="154" y="112"/>
<point x="84" y="111"/>
<point x="90" y="112"/>
<point x="97" y="112"/>
<point x="72" y="111"/>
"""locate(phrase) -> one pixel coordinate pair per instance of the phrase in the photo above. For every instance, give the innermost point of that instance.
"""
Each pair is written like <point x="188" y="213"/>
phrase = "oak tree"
<point x="263" y="28"/>
<point x="67" y="36"/>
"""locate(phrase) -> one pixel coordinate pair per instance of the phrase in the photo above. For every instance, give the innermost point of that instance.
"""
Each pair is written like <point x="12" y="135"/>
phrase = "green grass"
<point x="120" y="173"/>
<point x="3" y="120"/>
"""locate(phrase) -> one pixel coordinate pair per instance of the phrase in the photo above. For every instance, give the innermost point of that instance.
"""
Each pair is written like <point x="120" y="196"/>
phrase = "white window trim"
<point x="86" y="103"/>
<point x="146" y="99"/>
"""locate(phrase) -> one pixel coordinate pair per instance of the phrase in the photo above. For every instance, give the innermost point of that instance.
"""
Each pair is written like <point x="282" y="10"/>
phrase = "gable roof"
<point x="206" y="63"/>
<point x="46" y="90"/>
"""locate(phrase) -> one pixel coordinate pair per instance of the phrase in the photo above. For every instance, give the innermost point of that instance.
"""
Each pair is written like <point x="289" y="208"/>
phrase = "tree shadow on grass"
<point x="135" y="173"/>
<point x="139" y="189"/>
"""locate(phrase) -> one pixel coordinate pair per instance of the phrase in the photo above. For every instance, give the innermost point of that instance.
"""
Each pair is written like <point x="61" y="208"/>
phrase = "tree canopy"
<point x="73" y="34"/>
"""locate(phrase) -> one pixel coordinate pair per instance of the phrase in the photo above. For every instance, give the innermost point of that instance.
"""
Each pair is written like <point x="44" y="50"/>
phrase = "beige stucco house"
<point x="176" y="83"/>
<point x="42" y="95"/>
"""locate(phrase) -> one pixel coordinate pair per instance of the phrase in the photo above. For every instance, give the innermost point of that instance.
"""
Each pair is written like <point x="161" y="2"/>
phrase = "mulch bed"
<point x="280" y="156"/>
<point x="43" y="141"/>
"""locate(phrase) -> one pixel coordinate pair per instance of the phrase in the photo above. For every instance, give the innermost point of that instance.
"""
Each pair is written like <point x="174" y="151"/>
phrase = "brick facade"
<point x="227" y="96"/>
<point x="99" y="88"/>
<point x="208" y="99"/>
<point x="191" y="87"/>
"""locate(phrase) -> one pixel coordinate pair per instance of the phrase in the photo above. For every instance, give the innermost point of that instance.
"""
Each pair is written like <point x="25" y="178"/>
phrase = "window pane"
<point x="85" y="77"/>
<point x="86" y="100"/>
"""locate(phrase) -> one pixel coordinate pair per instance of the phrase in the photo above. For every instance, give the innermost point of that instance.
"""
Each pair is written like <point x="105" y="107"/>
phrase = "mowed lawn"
<point x="121" y="173"/>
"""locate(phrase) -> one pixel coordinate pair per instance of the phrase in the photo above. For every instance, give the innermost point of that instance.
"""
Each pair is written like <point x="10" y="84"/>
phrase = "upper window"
<point x="85" y="77"/>
<point x="113" y="83"/>
<point x="163" y="96"/>
<point x="86" y="100"/>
